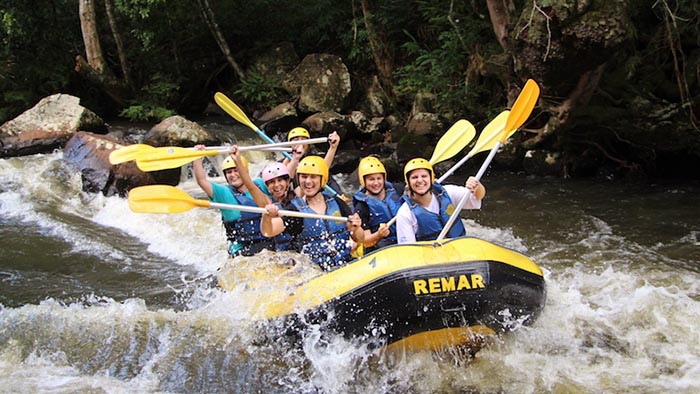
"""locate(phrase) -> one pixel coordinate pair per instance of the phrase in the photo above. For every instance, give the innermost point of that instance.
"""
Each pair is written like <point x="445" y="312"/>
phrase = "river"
<point x="95" y="298"/>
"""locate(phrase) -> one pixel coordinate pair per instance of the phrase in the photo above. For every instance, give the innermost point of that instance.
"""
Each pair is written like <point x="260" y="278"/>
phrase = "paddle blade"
<point x="161" y="199"/>
<point x="169" y="157"/>
<point x="232" y="109"/>
<point x="453" y="141"/>
<point x="490" y="134"/>
<point x="522" y="108"/>
<point x="128" y="153"/>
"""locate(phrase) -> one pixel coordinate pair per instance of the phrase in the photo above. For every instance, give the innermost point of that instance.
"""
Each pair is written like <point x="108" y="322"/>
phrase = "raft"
<point x="426" y="295"/>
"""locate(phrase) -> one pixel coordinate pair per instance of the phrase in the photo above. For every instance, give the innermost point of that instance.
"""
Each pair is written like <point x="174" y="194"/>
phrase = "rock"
<point x="322" y="83"/>
<point x="424" y="102"/>
<point x="367" y="126"/>
<point x="281" y="111"/>
<point x="277" y="62"/>
<point x="178" y="131"/>
<point x="324" y="123"/>
<point x="425" y="123"/>
<point x="90" y="154"/>
<point x="375" y="101"/>
<point x="47" y="126"/>
<point x="279" y="120"/>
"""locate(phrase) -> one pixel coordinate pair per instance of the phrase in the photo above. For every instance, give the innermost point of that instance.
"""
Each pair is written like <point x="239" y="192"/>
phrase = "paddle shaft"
<point x="266" y="148"/>
<point x="290" y="143"/>
<point x="288" y="156"/>
<point x="282" y="212"/>
<point x="440" y="180"/>
<point x="232" y="109"/>
<point x="454" y="168"/>
<point x="464" y="199"/>
<point x="521" y="110"/>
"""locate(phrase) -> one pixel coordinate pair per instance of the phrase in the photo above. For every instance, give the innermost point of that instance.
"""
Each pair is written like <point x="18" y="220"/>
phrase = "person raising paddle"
<point x="429" y="205"/>
<point x="377" y="202"/>
<point x="301" y="151"/>
<point x="242" y="228"/>
<point x="327" y="243"/>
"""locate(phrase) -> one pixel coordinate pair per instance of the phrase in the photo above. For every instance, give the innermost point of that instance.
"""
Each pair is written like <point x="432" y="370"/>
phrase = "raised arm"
<point x="260" y="198"/>
<point x="200" y="175"/>
<point x="293" y="163"/>
<point x="333" y="141"/>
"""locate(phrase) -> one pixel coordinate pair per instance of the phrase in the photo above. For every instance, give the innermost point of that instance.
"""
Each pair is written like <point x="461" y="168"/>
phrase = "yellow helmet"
<point x="298" y="132"/>
<point x="314" y="165"/>
<point x="370" y="165"/>
<point x="415" y="164"/>
<point x="229" y="163"/>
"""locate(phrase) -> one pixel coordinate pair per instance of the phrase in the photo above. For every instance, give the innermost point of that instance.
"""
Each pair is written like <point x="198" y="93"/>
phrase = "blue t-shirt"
<point x="222" y="194"/>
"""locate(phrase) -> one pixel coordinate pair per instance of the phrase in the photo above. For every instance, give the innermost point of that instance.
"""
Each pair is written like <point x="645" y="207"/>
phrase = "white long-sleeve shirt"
<point x="407" y="223"/>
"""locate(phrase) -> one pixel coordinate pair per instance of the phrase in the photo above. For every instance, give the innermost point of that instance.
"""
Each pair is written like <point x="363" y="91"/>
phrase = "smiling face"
<point x="278" y="187"/>
<point x="419" y="181"/>
<point x="374" y="183"/>
<point x="233" y="178"/>
<point x="310" y="184"/>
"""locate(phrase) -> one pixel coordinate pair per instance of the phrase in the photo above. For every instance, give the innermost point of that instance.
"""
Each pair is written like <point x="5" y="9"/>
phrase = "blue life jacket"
<point x="244" y="234"/>
<point x="381" y="211"/>
<point x="326" y="242"/>
<point x="431" y="224"/>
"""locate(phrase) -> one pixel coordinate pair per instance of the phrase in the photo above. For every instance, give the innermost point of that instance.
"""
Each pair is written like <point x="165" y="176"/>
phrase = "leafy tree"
<point x="35" y="56"/>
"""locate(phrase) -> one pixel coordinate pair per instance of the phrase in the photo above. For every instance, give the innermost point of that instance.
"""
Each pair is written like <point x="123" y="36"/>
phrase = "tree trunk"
<point x="210" y="20"/>
<point x="91" y="39"/>
<point x="379" y="43"/>
<point x="499" y="13"/>
<point x="95" y="69"/>
<point x="109" y="8"/>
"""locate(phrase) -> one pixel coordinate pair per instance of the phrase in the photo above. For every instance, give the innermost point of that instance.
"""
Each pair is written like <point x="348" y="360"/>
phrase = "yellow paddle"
<point x="487" y="139"/>
<point x="522" y="108"/>
<point x="169" y="199"/>
<point x="128" y="153"/>
<point x="164" y="158"/>
<point x="140" y="151"/>
<point x="453" y="141"/>
<point x="171" y="157"/>
<point x="237" y="113"/>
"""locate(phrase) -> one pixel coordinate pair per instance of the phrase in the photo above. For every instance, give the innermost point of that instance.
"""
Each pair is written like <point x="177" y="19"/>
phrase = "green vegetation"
<point x="444" y="47"/>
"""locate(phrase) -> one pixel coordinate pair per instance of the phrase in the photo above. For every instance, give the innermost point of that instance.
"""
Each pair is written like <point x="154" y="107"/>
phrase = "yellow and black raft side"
<point x="426" y="295"/>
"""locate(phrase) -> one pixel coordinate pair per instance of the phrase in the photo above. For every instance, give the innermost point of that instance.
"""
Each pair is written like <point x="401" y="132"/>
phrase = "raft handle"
<point x="452" y="309"/>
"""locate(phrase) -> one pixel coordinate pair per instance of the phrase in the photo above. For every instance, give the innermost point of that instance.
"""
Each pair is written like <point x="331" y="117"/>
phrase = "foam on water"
<point x="194" y="238"/>
<point x="620" y="316"/>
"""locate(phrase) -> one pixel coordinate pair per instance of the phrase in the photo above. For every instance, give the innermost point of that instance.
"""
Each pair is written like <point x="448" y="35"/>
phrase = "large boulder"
<point x="47" y="126"/>
<point x="325" y="123"/>
<point x="279" y="120"/>
<point x="425" y="123"/>
<point x="178" y="131"/>
<point x="90" y="154"/>
<point x="277" y="62"/>
<point x="322" y="83"/>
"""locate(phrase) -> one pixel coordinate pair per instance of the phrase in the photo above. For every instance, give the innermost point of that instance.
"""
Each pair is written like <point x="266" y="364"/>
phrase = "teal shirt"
<point x="222" y="194"/>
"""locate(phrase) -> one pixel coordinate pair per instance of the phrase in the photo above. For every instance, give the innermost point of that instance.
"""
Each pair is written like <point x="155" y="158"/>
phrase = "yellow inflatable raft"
<point x="426" y="295"/>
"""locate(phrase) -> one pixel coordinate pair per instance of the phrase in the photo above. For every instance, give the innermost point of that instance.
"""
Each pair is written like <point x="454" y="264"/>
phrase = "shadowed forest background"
<point x="619" y="79"/>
